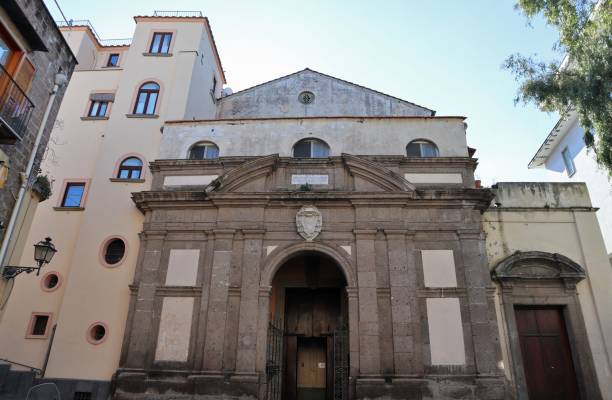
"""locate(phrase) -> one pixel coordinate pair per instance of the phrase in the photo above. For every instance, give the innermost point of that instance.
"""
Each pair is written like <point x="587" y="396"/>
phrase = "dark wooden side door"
<point x="547" y="359"/>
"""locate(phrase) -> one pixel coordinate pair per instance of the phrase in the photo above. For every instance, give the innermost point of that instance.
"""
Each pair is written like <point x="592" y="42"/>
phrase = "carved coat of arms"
<point x="309" y="222"/>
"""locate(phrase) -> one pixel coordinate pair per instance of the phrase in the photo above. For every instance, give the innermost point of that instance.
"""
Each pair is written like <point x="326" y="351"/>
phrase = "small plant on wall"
<point x="42" y="185"/>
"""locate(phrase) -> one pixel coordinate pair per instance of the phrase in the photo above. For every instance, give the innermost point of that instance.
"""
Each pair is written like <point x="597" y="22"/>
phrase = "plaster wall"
<point x="343" y="135"/>
<point x="90" y="149"/>
<point x="333" y="97"/>
<point x="587" y="171"/>
<point x="573" y="231"/>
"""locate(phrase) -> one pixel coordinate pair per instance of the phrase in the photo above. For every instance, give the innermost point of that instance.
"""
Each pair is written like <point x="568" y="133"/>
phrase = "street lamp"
<point x="43" y="253"/>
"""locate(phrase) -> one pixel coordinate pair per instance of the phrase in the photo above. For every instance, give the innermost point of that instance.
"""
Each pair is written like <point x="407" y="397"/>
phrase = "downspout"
<point x="48" y="354"/>
<point x="60" y="79"/>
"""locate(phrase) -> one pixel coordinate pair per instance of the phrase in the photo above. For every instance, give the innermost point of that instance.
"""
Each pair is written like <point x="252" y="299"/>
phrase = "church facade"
<point x="315" y="239"/>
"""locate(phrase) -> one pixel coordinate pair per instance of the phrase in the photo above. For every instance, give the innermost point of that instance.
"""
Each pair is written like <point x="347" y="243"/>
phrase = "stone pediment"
<point x="537" y="265"/>
<point x="328" y="96"/>
<point x="275" y="174"/>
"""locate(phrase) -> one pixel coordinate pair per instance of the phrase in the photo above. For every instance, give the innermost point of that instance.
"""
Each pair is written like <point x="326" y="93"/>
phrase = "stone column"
<point x="249" y="302"/>
<point x="485" y="338"/>
<point x="263" y="311"/>
<point x="353" y="326"/>
<point x="233" y="307"/>
<point x="217" y="304"/>
<point x="403" y="283"/>
<point x="141" y="347"/>
<point x="383" y="294"/>
<point x="369" y="340"/>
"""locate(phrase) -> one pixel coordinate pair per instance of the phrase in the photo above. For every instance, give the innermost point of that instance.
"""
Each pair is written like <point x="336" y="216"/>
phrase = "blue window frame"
<point x="73" y="195"/>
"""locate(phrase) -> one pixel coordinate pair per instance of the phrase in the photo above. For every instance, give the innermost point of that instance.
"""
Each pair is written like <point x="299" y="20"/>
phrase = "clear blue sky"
<point x="445" y="55"/>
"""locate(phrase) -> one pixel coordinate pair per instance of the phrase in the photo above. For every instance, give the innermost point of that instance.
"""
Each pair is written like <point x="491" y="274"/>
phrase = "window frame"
<point x="104" y="246"/>
<point x="420" y="142"/>
<point x="206" y="144"/>
<point x="568" y="162"/>
<point x="311" y="141"/>
<point x="89" y="337"/>
<point x="147" y="93"/>
<point x="43" y="280"/>
<point x="110" y="57"/>
<point x="130" y="169"/>
<point x="31" y="325"/>
<point x="60" y="200"/>
<point x="160" y="45"/>
<point x="100" y="103"/>
<point x="67" y="189"/>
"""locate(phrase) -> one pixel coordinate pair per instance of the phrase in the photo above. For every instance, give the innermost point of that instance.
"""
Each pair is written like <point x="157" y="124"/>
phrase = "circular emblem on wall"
<point x="306" y="97"/>
<point x="309" y="222"/>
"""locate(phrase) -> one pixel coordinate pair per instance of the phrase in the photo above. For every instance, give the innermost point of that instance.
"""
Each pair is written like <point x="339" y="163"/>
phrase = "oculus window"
<point x="114" y="251"/>
<point x="311" y="148"/>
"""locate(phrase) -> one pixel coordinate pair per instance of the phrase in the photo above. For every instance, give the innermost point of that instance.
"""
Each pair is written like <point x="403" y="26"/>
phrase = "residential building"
<point x="566" y="157"/>
<point x="34" y="57"/>
<point x="108" y="129"/>
<point x="305" y="238"/>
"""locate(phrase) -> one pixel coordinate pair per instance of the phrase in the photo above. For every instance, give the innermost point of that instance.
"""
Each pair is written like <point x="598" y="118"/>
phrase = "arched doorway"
<point x="307" y="354"/>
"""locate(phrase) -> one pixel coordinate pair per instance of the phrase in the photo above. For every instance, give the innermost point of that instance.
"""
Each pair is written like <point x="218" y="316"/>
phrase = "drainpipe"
<point x="60" y="79"/>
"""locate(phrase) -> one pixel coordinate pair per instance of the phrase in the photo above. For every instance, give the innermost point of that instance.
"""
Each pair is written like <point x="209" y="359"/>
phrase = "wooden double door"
<point x="312" y="316"/>
<point x="547" y="358"/>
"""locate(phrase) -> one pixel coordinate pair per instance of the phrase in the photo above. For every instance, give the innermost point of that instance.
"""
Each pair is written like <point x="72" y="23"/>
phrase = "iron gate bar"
<point x="274" y="359"/>
<point x="341" y="364"/>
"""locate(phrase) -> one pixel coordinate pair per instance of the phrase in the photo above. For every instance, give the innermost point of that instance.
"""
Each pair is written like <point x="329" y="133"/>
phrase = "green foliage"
<point x="43" y="186"/>
<point x="583" y="82"/>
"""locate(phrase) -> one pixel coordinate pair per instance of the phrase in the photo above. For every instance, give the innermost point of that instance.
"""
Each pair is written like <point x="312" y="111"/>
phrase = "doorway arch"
<point x="307" y="352"/>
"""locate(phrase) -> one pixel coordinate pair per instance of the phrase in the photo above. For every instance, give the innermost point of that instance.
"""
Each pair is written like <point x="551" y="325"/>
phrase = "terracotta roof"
<point x="433" y="112"/>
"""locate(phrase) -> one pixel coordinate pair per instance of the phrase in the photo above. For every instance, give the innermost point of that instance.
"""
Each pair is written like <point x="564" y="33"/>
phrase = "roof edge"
<point x="356" y="117"/>
<point x="556" y="134"/>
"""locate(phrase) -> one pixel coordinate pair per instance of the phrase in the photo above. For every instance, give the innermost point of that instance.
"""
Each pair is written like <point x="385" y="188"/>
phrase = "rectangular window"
<point x="214" y="85"/>
<point x="38" y="327"/>
<point x="161" y="43"/>
<point x="113" y="60"/>
<point x="569" y="162"/>
<point x="98" y="109"/>
<point x="73" y="195"/>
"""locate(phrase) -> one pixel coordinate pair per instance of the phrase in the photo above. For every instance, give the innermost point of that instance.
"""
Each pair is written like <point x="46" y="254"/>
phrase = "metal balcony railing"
<point x="15" y="109"/>
<point x="160" y="13"/>
<point x="87" y="23"/>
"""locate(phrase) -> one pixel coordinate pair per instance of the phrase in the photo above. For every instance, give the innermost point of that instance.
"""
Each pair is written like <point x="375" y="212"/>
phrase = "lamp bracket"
<point x="10" y="272"/>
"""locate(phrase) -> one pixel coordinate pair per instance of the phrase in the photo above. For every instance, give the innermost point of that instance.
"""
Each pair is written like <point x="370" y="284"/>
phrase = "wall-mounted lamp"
<point x="43" y="253"/>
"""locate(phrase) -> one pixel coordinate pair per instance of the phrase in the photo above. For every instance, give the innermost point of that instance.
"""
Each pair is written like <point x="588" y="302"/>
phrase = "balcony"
<point x="15" y="109"/>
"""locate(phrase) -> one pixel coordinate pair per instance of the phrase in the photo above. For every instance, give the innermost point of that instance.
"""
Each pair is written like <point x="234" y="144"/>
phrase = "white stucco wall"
<point x="375" y="136"/>
<point x="587" y="170"/>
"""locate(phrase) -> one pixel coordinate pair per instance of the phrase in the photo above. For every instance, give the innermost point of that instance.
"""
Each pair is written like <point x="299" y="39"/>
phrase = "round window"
<point x="50" y="281"/>
<point x="306" y="97"/>
<point x="114" y="252"/>
<point x="96" y="333"/>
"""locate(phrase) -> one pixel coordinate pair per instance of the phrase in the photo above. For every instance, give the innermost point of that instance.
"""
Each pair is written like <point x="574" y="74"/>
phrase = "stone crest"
<point x="309" y="222"/>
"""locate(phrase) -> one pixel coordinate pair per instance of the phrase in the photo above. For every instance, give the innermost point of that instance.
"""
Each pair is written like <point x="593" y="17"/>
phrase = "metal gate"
<point x="274" y="360"/>
<point x="341" y="364"/>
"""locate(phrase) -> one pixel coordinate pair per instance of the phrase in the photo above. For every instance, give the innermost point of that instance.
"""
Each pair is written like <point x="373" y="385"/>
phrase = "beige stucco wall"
<point x="84" y="149"/>
<point x="343" y="135"/>
<point x="569" y="229"/>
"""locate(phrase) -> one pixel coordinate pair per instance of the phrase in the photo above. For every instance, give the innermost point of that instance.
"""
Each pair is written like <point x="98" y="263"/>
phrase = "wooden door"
<point x="547" y="358"/>
<point x="311" y="368"/>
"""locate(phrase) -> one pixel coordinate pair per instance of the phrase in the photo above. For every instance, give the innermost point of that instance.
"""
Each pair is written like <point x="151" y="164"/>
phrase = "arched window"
<point x="311" y="148"/>
<point x="422" y="148"/>
<point x="130" y="168"/>
<point x="203" y="150"/>
<point x="147" y="99"/>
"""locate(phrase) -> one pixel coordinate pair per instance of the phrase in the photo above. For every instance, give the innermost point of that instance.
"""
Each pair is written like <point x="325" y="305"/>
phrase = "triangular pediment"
<point x="332" y="96"/>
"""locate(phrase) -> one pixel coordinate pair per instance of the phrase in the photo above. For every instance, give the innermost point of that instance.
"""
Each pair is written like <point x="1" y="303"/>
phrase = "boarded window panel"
<point x="25" y="75"/>
<point x="445" y="331"/>
<point x="174" y="329"/>
<point x="182" y="267"/>
<point x="439" y="268"/>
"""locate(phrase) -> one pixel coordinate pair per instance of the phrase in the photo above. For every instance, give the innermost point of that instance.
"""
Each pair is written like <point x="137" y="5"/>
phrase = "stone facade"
<point x="375" y="227"/>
